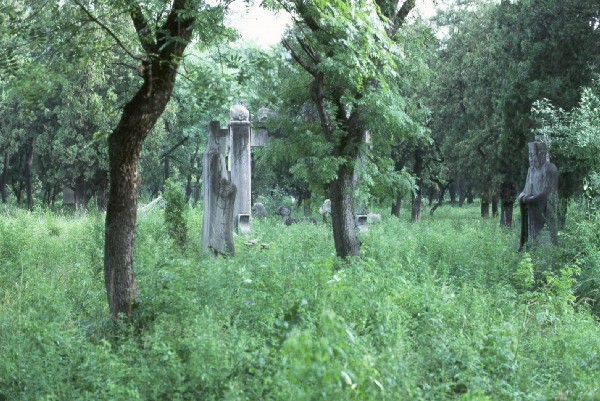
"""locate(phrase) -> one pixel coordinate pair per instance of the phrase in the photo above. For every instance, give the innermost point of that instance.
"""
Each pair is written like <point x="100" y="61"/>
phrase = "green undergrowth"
<point x="444" y="309"/>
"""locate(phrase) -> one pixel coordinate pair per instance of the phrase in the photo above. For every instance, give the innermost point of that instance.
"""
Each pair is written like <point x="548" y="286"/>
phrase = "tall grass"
<point x="441" y="309"/>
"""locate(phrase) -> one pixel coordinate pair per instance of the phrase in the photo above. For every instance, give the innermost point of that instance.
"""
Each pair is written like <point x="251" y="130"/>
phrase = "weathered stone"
<point x="219" y="195"/>
<point x="243" y="224"/>
<point x="259" y="138"/>
<point x="240" y="158"/>
<point x="362" y="223"/>
<point x="259" y="211"/>
<point x="373" y="218"/>
<point x="325" y="210"/>
<point x="285" y="213"/>
<point x="239" y="113"/>
<point x="538" y="200"/>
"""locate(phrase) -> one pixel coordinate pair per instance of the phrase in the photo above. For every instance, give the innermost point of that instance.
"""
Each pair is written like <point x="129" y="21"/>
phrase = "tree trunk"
<point x="418" y="196"/>
<point x="121" y="215"/>
<point x="495" y="206"/>
<point x="462" y="195"/>
<point x="469" y="195"/>
<point x="452" y="192"/>
<point x="508" y="192"/>
<point x="55" y="192"/>
<point x="167" y="169"/>
<point x="307" y="202"/>
<point x="441" y="195"/>
<point x="431" y="191"/>
<point x="197" y="189"/>
<point x="82" y="196"/>
<point x="415" y="213"/>
<point x="342" y="214"/>
<point x="396" y="206"/>
<point x="485" y="208"/>
<point x="4" y="177"/>
<point x="125" y="142"/>
<point x="29" y="175"/>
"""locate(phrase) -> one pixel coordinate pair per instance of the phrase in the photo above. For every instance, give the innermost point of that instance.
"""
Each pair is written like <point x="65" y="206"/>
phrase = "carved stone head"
<point x="538" y="154"/>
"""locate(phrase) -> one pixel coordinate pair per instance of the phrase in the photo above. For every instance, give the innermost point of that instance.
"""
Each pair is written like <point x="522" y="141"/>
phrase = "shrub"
<point x="175" y="212"/>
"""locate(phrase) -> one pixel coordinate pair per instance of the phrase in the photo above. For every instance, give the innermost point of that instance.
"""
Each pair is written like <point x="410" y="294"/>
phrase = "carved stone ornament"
<point x="239" y="114"/>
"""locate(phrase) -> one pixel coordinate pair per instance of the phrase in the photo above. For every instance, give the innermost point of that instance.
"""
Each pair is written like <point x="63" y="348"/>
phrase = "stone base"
<point x="362" y="223"/>
<point x="242" y="223"/>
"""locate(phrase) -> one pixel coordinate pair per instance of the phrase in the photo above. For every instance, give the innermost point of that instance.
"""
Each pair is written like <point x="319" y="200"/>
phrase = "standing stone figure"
<point x="219" y="195"/>
<point x="538" y="201"/>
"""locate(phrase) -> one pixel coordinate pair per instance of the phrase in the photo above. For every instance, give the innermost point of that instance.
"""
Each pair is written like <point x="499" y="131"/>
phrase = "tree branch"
<point x="143" y="30"/>
<point x="308" y="50"/>
<point x="310" y="69"/>
<point x="176" y="32"/>
<point x="400" y="17"/>
<point x="178" y="144"/>
<point x="107" y="30"/>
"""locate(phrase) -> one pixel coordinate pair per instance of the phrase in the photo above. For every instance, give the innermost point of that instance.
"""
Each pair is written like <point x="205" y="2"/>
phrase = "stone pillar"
<point x="219" y="195"/>
<point x="241" y="169"/>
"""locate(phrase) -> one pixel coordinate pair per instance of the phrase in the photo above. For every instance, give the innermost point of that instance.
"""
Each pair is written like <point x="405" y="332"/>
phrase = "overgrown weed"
<point x="441" y="309"/>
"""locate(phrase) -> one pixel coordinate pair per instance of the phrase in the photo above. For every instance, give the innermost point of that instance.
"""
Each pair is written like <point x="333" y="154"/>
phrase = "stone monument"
<point x="538" y="200"/>
<point x="241" y="167"/>
<point x="219" y="195"/>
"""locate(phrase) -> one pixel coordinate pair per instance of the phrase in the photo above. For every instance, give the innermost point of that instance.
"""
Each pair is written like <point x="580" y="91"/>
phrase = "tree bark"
<point x="29" y="175"/>
<point x="495" y="206"/>
<point x="462" y="195"/>
<point x="4" y="177"/>
<point x="342" y="213"/>
<point x="469" y="196"/>
<point x="485" y="208"/>
<point x="508" y="192"/>
<point x="417" y="197"/>
<point x="452" y="192"/>
<point x="441" y="195"/>
<point x="125" y="143"/>
<point x="167" y="169"/>
<point x="396" y="206"/>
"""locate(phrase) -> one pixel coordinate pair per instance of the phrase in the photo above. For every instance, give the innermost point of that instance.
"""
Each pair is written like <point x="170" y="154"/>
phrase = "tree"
<point x="164" y="31"/>
<point x="347" y="50"/>
<point x="484" y="89"/>
<point x="575" y="136"/>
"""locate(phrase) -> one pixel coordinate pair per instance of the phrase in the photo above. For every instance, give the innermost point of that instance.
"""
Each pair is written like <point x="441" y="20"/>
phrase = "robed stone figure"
<point x="538" y="201"/>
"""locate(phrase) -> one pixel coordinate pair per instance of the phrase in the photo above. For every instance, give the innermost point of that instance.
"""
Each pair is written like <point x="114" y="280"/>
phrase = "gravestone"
<point x="219" y="195"/>
<point x="260" y="135"/>
<point x="538" y="200"/>
<point x="240" y="159"/>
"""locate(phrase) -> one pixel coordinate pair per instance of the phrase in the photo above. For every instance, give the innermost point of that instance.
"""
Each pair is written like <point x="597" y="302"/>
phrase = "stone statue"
<point x="538" y="201"/>
<point x="259" y="211"/>
<point x="285" y="213"/>
<point x="325" y="210"/>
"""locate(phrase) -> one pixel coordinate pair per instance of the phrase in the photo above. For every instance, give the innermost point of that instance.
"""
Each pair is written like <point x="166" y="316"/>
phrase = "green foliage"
<point x="493" y="62"/>
<point x="575" y="136"/>
<point x="175" y="207"/>
<point x="433" y="311"/>
<point x="523" y="276"/>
